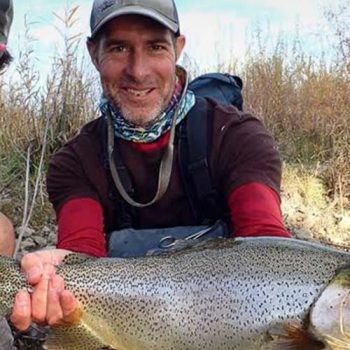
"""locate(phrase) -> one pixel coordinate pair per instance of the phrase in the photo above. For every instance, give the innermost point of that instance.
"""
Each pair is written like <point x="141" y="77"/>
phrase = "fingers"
<point x="21" y="316"/>
<point x="71" y="312"/>
<point x="48" y="303"/>
<point x="61" y="304"/>
<point x="41" y="293"/>
<point x="54" y="309"/>
<point x="33" y="266"/>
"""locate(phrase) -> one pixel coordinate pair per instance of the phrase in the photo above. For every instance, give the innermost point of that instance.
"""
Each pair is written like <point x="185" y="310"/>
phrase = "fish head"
<point x="11" y="281"/>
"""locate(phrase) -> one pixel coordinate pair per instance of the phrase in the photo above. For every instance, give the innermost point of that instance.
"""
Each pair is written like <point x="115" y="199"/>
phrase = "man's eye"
<point x="118" y="48"/>
<point x="157" y="47"/>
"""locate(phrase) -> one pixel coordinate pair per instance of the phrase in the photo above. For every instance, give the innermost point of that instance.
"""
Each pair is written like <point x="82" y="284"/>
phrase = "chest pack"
<point x="194" y="142"/>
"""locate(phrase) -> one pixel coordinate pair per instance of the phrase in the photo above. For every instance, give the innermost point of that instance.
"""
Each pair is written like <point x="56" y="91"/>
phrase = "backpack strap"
<point x="194" y="142"/>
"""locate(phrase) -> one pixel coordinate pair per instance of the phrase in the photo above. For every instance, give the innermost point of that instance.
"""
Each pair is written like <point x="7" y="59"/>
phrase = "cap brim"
<point x="137" y="10"/>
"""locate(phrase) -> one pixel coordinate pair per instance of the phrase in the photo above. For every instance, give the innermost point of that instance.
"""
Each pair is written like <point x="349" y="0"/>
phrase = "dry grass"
<point x="303" y="101"/>
<point x="307" y="109"/>
<point x="309" y="212"/>
<point x="41" y="118"/>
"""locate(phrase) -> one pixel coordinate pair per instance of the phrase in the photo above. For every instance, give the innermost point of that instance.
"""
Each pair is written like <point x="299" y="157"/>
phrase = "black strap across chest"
<point x="195" y="140"/>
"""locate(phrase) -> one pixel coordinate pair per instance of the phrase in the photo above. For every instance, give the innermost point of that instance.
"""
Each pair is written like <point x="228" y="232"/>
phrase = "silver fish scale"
<point x="223" y="296"/>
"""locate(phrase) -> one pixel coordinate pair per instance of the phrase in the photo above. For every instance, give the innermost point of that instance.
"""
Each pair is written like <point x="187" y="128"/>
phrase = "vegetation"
<point x="304" y="102"/>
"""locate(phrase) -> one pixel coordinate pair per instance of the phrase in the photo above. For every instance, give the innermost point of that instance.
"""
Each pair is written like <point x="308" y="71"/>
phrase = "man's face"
<point x="136" y="59"/>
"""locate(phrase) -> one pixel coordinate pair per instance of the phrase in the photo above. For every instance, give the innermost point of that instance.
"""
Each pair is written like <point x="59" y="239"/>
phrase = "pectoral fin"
<point x="80" y="331"/>
<point x="291" y="337"/>
<point x="75" y="337"/>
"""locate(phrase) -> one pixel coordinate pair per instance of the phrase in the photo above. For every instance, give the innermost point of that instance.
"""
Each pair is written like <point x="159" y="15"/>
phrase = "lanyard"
<point x="165" y="165"/>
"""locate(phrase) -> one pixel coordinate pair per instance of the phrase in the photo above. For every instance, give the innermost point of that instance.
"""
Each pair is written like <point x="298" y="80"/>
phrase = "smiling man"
<point x="135" y="59"/>
<point x="117" y="187"/>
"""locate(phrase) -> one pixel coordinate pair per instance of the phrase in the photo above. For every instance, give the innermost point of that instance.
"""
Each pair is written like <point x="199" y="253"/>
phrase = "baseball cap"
<point x="162" y="11"/>
<point x="6" y="16"/>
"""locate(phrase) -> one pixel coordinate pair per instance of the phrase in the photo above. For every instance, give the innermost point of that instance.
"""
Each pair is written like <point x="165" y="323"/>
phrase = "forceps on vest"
<point x="170" y="241"/>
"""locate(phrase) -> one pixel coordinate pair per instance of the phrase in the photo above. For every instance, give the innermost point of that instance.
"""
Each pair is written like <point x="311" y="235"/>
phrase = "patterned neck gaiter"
<point x="162" y="124"/>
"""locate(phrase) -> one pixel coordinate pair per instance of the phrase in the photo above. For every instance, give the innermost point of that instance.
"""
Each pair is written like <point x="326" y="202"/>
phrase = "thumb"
<point x="33" y="264"/>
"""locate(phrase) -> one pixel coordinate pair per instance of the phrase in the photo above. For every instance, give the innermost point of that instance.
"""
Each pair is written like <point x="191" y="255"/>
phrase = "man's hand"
<point x="49" y="303"/>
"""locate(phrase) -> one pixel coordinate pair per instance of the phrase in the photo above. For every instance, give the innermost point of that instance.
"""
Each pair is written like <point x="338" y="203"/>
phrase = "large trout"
<point x="246" y="294"/>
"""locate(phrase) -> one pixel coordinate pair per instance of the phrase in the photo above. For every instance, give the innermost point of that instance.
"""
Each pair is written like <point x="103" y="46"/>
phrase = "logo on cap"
<point x="107" y="4"/>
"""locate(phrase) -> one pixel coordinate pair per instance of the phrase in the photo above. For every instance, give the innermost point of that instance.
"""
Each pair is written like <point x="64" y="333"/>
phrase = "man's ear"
<point x="179" y="45"/>
<point x="92" y="48"/>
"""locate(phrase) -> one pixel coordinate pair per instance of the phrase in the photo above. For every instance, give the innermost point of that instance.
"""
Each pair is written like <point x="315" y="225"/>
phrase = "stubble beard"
<point x="143" y="117"/>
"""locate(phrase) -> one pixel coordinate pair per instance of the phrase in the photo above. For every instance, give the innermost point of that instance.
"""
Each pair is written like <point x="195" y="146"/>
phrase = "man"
<point x="134" y="46"/>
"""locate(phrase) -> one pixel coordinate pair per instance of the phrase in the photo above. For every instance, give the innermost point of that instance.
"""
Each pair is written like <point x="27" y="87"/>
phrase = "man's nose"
<point x="138" y="67"/>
